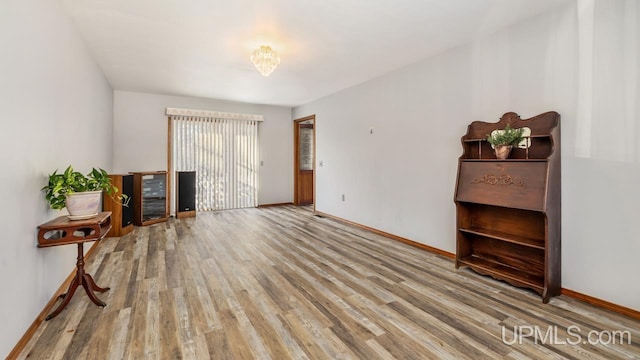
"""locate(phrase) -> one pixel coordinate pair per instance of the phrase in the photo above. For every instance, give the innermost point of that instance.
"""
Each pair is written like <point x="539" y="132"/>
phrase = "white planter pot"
<point x="83" y="205"/>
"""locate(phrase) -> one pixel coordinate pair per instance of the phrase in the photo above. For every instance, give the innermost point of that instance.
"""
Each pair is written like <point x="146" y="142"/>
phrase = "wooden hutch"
<point x="508" y="211"/>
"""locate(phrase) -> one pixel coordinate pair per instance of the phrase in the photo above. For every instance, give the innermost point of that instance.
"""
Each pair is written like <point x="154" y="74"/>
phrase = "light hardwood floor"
<point x="280" y="283"/>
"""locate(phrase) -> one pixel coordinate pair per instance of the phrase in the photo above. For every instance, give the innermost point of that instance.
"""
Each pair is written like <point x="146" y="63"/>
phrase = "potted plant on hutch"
<point x="504" y="140"/>
<point x="79" y="193"/>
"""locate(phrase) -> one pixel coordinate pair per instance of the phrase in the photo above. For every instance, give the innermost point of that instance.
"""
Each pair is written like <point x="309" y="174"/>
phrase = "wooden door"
<point x="304" y="132"/>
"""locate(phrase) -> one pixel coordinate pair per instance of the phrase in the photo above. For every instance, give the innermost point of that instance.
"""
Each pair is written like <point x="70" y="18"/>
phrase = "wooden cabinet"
<point x="150" y="202"/>
<point x="121" y="215"/>
<point x="508" y="211"/>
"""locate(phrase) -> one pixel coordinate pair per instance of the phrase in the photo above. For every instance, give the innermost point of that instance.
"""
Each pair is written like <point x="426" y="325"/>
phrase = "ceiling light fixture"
<point x="265" y="60"/>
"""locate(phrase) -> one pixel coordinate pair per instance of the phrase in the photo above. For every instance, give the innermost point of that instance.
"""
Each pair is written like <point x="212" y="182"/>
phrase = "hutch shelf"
<point x="508" y="211"/>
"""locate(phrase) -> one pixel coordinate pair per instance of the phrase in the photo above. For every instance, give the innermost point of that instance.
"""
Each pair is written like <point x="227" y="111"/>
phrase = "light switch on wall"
<point x="320" y="163"/>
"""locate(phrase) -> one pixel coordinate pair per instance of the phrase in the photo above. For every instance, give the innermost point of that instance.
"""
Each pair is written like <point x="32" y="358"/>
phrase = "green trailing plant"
<point x="506" y="136"/>
<point x="71" y="181"/>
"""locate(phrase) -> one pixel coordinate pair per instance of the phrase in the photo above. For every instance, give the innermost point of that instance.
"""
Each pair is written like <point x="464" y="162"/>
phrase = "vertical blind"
<point x="224" y="153"/>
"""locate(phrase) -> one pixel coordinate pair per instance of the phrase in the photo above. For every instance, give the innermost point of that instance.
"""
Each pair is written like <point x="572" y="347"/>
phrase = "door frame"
<point x="296" y="163"/>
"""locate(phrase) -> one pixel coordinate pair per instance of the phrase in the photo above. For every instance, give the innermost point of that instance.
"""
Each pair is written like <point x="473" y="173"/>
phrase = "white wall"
<point x="140" y="137"/>
<point x="57" y="110"/>
<point x="401" y="178"/>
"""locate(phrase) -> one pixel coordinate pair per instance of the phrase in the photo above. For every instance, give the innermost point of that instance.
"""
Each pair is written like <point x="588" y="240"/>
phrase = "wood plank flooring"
<point x="280" y="283"/>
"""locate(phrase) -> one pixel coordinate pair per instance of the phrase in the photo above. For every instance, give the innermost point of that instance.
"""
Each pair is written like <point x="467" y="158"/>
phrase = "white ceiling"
<point x="201" y="48"/>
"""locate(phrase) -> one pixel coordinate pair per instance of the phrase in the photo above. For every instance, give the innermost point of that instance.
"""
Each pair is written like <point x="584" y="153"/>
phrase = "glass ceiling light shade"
<point x="265" y="60"/>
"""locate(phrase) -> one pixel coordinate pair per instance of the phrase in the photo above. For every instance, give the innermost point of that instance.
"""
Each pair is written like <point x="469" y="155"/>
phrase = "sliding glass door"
<point x="224" y="153"/>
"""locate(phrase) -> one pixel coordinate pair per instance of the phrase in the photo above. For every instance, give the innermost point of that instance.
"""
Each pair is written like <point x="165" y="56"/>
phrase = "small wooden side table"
<point x="62" y="231"/>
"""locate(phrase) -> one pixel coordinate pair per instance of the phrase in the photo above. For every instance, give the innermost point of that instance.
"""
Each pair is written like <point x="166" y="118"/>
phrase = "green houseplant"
<point x="504" y="140"/>
<point x="80" y="193"/>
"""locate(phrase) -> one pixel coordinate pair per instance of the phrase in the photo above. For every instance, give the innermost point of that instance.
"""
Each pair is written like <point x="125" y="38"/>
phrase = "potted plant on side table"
<point x="80" y="193"/>
<point x="504" y="140"/>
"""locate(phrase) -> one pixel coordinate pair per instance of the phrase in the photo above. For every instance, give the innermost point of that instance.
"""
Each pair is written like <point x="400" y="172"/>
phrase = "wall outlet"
<point x="342" y="197"/>
<point x="321" y="163"/>
<point x="261" y="162"/>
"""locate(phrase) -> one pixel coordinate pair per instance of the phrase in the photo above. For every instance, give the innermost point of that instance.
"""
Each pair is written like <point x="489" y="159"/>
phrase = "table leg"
<point x="93" y="285"/>
<point x="66" y="298"/>
<point x="83" y="279"/>
<point x="89" y="290"/>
